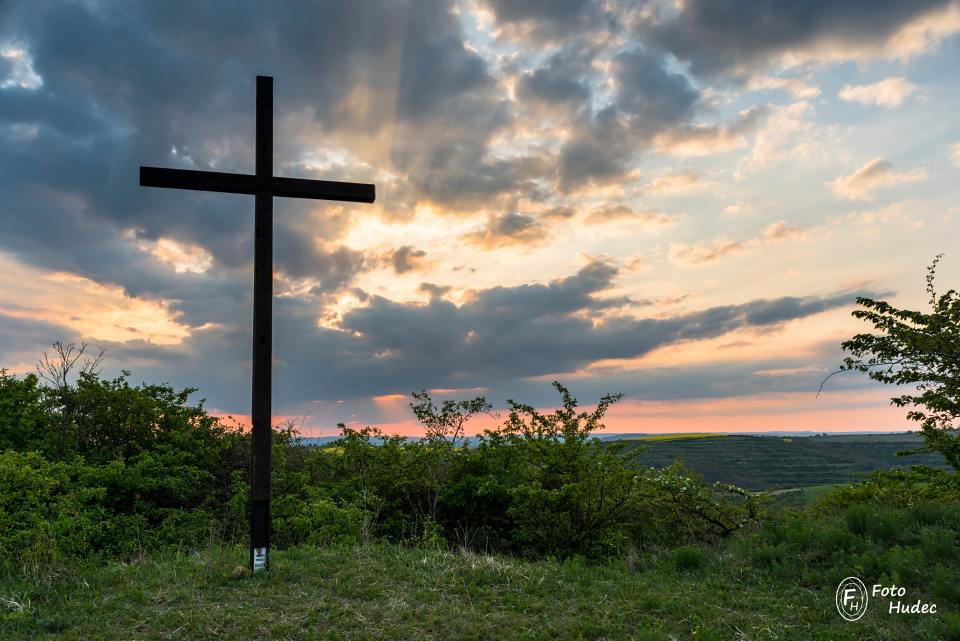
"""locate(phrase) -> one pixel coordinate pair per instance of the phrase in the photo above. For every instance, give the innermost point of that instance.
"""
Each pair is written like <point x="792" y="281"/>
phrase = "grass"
<point x="392" y="592"/>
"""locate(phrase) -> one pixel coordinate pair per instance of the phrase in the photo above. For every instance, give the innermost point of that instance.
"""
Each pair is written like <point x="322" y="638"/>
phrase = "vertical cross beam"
<point x="262" y="331"/>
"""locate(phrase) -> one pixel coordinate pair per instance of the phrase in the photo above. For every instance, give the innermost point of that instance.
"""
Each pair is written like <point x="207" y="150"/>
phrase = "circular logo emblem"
<point x="851" y="598"/>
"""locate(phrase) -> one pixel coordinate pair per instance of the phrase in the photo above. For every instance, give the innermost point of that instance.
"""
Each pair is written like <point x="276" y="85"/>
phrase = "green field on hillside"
<point x="764" y="462"/>
<point x="673" y="437"/>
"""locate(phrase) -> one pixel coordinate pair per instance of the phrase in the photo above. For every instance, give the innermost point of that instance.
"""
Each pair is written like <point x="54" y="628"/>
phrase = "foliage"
<point x="22" y="416"/>
<point x="921" y="349"/>
<point x="677" y="500"/>
<point x="447" y="422"/>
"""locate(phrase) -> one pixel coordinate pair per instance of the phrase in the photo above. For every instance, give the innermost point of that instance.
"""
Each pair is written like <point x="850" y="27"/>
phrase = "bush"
<point x="45" y="513"/>
<point x="687" y="558"/>
<point x="857" y="516"/>
<point x="767" y="556"/>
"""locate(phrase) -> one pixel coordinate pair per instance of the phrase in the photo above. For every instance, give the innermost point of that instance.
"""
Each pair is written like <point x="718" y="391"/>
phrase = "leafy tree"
<point x="921" y="349"/>
<point x="446" y="422"/>
<point x="55" y="373"/>
<point x="22" y="417"/>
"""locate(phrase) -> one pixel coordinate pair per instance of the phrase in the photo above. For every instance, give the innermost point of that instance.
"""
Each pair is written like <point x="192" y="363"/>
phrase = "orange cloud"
<point x="796" y="86"/>
<point x="183" y="257"/>
<point x="876" y="174"/>
<point x="621" y="213"/>
<point x="679" y="182"/>
<point x="889" y="92"/>
<point x="93" y="310"/>
<point x="709" y="251"/>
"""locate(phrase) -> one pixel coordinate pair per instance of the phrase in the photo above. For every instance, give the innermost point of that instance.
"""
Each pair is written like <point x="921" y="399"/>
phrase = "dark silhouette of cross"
<point x="264" y="186"/>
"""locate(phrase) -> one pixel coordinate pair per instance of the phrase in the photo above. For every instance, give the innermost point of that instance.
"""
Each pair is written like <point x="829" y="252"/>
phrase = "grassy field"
<point x="764" y="462"/>
<point x="673" y="437"/>
<point x="389" y="592"/>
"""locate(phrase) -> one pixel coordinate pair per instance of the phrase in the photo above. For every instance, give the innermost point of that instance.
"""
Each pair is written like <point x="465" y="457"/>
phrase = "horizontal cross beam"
<point x="248" y="184"/>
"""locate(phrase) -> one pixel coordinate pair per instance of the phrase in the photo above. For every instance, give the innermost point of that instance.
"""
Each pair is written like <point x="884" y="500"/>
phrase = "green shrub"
<point x="857" y="517"/>
<point x="687" y="558"/>
<point x="950" y="630"/>
<point x="939" y="544"/>
<point x="318" y="521"/>
<point x="44" y="512"/>
<point x="766" y="556"/>
<point x="886" y="526"/>
<point x="927" y="512"/>
<point x="944" y="585"/>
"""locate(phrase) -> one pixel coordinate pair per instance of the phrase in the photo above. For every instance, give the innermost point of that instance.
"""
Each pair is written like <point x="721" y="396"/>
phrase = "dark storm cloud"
<point x="649" y="94"/>
<point x="128" y="83"/>
<point x="505" y="334"/>
<point x="297" y="255"/>
<point x="18" y="335"/>
<point x="649" y="100"/>
<point x="724" y="35"/>
<point x="562" y="80"/>
<point x="502" y="334"/>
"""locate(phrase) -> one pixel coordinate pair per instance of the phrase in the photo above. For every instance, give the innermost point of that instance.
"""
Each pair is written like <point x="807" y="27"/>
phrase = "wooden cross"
<point x="264" y="186"/>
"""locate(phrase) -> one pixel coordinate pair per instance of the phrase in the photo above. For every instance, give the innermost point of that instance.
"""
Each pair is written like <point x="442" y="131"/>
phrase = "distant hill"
<point x="763" y="462"/>
<point x="766" y="460"/>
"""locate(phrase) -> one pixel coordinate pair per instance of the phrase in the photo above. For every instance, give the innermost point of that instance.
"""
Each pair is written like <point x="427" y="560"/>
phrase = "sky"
<point x="676" y="201"/>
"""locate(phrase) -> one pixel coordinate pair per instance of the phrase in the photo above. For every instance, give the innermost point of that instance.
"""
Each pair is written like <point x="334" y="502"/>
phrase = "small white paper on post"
<point x="259" y="559"/>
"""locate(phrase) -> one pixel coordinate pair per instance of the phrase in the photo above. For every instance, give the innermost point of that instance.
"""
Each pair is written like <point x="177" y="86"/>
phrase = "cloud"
<point x="670" y="301"/>
<point x="407" y="258"/>
<point x="16" y="69"/>
<point x="797" y="87"/>
<point x="300" y="256"/>
<point x="508" y="229"/>
<point x="183" y="257"/>
<point x="955" y="153"/>
<point x="698" y="254"/>
<point x="546" y="20"/>
<point x="83" y="307"/>
<point x="868" y="222"/>
<point x="690" y="255"/>
<point x="788" y="133"/>
<point x="706" y="139"/>
<point x="876" y="174"/>
<point x="433" y="290"/>
<point x="557" y="214"/>
<point x="548" y="114"/>
<point x="736" y="38"/>
<point x="889" y="92"/>
<point x="781" y="229"/>
<point x="649" y="99"/>
<point x="679" y="182"/>
<point x="738" y="208"/>
<point x="505" y="334"/>
<point x="564" y="79"/>
<point x="791" y="371"/>
<point x="652" y="219"/>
